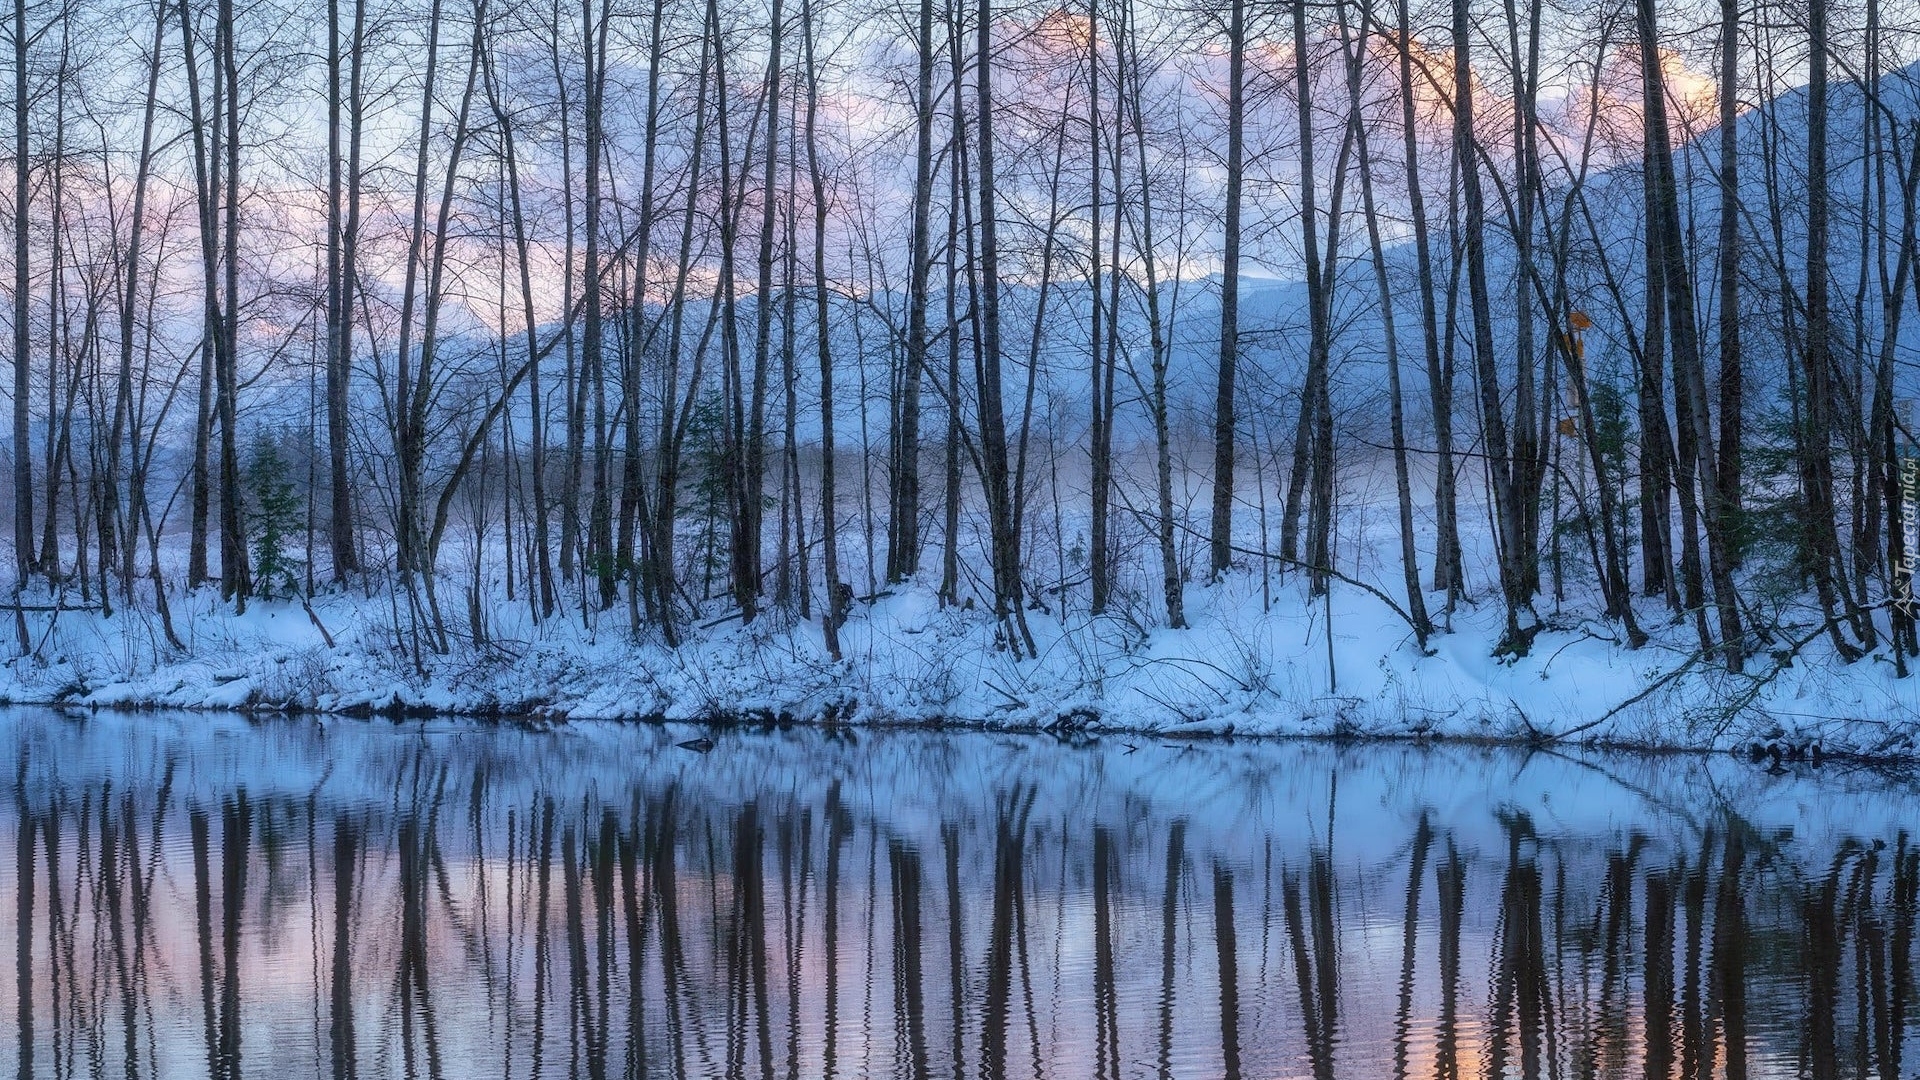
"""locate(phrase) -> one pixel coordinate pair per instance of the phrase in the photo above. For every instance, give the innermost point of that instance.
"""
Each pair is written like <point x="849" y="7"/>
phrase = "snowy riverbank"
<point x="1244" y="666"/>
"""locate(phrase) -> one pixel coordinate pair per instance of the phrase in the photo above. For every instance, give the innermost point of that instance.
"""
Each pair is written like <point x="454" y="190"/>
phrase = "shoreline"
<point x="1246" y="666"/>
<point x="1813" y="756"/>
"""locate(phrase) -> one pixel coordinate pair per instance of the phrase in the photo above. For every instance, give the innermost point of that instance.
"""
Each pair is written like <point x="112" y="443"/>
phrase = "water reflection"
<point x="196" y="896"/>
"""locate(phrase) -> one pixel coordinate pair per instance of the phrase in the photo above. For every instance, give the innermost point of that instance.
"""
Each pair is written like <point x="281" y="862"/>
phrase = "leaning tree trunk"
<point x="1403" y="485"/>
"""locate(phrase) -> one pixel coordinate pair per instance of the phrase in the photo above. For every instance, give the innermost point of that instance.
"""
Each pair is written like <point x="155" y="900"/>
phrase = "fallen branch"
<point x="314" y="617"/>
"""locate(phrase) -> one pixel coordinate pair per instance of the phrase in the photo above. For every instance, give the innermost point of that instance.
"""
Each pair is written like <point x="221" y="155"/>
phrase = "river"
<point x="202" y="895"/>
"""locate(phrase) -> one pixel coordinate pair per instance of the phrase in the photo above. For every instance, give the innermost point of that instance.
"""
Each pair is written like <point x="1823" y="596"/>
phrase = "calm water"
<point x="195" y="896"/>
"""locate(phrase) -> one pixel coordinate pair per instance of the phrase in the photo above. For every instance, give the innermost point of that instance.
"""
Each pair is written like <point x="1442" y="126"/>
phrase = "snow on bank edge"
<point x="1244" y="666"/>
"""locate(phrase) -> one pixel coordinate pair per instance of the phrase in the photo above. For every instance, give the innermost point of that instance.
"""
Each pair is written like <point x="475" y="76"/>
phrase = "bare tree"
<point x="1353" y="45"/>
<point x="23" y="560"/>
<point x="1818" y="424"/>
<point x="1220" y="547"/>
<point x="903" y="504"/>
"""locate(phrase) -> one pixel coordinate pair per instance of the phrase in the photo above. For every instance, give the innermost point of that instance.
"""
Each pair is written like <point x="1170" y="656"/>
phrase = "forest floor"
<point x="1259" y="657"/>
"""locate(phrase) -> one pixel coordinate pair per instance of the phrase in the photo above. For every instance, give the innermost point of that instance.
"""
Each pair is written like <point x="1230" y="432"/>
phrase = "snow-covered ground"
<point x="1259" y="657"/>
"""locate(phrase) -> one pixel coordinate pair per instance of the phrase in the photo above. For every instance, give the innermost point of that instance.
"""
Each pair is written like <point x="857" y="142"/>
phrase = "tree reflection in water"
<point x="355" y="900"/>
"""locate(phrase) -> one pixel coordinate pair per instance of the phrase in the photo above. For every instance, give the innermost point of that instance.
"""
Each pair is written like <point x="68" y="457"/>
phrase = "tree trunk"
<point x="677" y="411"/>
<point x="753" y="458"/>
<point x="1103" y="363"/>
<point x="1220" y="537"/>
<point x="837" y="594"/>
<point x="22" y="337"/>
<point x="1005" y="540"/>
<point x="1403" y="485"/>
<point x="205" y="168"/>
<point x="117" y="535"/>
<point x="1448" y="566"/>
<point x="340" y="530"/>
<point x="632" y="486"/>
<point x="957" y="222"/>
<point x="1663" y="219"/>
<point x="1732" y="429"/>
<point x="1127" y="65"/>
<point x="903" y="519"/>
<point x="1510" y="529"/>
<point x="593" y="344"/>
<point x="1816" y="440"/>
<point x="236" y="583"/>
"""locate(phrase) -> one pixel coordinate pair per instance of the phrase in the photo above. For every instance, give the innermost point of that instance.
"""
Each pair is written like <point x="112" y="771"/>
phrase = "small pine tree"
<point x="1613" y="434"/>
<point x="276" y="514"/>
<point x="706" y="502"/>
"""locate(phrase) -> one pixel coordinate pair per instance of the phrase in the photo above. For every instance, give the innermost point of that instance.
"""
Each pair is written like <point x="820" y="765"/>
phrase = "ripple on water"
<point x="313" y="900"/>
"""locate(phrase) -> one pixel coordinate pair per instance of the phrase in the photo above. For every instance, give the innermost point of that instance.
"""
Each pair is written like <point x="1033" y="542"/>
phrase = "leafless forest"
<point x="462" y="303"/>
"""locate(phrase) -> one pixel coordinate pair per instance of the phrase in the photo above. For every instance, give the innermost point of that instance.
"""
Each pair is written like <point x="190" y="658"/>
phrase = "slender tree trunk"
<point x="1101" y="355"/>
<point x="956" y="222"/>
<point x="1656" y="441"/>
<point x="1816" y="441"/>
<point x="22" y="335"/>
<point x="791" y="502"/>
<point x="743" y="546"/>
<point x="677" y="411"/>
<point x="428" y="373"/>
<point x="753" y="456"/>
<point x="633" y="508"/>
<point x="903" y="518"/>
<point x="1008" y="604"/>
<point x="1312" y="474"/>
<point x="59" y="317"/>
<point x="1447" y="560"/>
<point x="346" y="559"/>
<point x="236" y="582"/>
<point x="1732" y="387"/>
<point x="410" y="383"/>
<point x="1688" y="366"/>
<point x="593" y="345"/>
<point x="211" y="341"/>
<point x="1403" y="484"/>
<point x="1220" y="546"/>
<point x="1530" y="420"/>
<point x="573" y="402"/>
<point x="540" y="565"/>
<point x="1303" y="436"/>
<point x="1510" y="529"/>
<point x="837" y="594"/>
<point x="117" y="539"/>
<point x="350" y="228"/>
<point x="1127" y="61"/>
